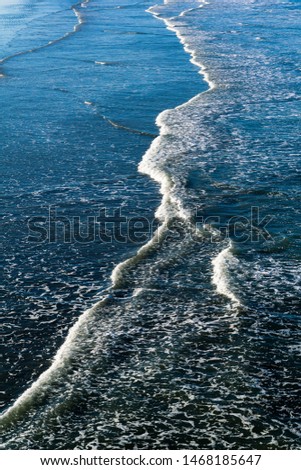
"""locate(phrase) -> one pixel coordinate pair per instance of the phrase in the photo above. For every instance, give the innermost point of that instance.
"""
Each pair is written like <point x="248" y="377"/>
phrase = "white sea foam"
<point x="118" y="272"/>
<point x="221" y="276"/>
<point x="171" y="204"/>
<point x="141" y="290"/>
<point x="183" y="40"/>
<point x="78" y="14"/>
<point x="59" y="363"/>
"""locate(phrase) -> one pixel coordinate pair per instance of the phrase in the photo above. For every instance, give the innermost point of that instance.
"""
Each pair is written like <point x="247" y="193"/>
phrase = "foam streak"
<point x="220" y="276"/>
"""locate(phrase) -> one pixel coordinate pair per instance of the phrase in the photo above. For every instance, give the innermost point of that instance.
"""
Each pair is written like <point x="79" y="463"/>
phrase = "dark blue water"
<point x="193" y="340"/>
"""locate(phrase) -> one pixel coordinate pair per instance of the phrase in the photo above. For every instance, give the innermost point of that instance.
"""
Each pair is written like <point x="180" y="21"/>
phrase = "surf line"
<point x="193" y="54"/>
<point x="220" y="276"/>
<point x="169" y="208"/>
<point x="80" y="21"/>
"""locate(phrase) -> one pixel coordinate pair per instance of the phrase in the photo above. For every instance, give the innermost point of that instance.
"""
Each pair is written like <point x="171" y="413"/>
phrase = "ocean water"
<point x="181" y="119"/>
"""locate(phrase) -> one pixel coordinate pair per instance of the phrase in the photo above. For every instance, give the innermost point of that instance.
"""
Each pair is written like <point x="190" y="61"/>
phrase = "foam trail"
<point x="220" y="276"/>
<point x="171" y="204"/>
<point x="117" y="273"/>
<point x="194" y="60"/>
<point x="60" y="361"/>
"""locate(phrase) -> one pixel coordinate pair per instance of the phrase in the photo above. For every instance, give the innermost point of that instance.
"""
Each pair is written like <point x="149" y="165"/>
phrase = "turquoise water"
<point x="193" y="338"/>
